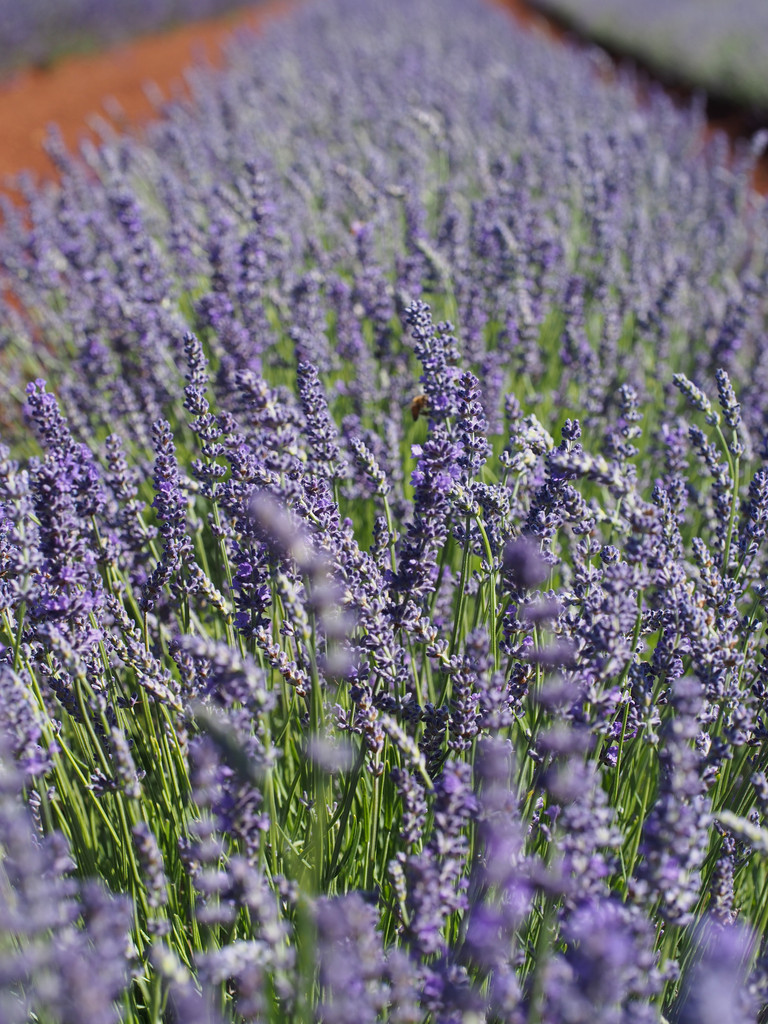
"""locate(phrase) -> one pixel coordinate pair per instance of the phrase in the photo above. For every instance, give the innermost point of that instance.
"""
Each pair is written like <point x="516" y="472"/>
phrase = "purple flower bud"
<point x="523" y="564"/>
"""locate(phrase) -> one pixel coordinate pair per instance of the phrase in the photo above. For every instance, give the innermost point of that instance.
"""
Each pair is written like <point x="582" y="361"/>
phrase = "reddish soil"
<point x="74" y="88"/>
<point x="532" y="19"/>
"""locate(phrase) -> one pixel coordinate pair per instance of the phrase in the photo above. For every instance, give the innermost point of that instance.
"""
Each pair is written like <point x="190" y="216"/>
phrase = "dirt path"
<point x="73" y="89"/>
<point x="531" y="19"/>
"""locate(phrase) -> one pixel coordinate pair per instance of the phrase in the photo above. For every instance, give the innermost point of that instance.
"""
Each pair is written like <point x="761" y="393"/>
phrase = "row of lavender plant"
<point x="359" y="665"/>
<point x="717" y="45"/>
<point x="38" y="31"/>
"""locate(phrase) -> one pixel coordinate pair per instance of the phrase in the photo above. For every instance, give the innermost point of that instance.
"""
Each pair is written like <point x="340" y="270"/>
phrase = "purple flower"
<point x="70" y="956"/>
<point x="352" y="963"/>
<point x="714" y="986"/>
<point x="435" y="884"/>
<point x="437" y="352"/>
<point x="320" y="430"/>
<point x="606" y="973"/>
<point x="170" y="505"/>
<point x="675" y="835"/>
<point x="523" y="565"/>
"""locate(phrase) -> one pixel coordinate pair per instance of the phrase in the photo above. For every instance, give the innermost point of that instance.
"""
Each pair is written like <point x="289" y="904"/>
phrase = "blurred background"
<point x="37" y="32"/>
<point x="87" y="65"/>
<point x="720" y="46"/>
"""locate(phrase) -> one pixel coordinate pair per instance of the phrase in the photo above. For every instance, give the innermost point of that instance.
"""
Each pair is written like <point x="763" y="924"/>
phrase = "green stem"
<point x="391" y="532"/>
<point x="732" y="516"/>
<point x="344" y="817"/>
<point x="458" y="622"/>
<point x="373" y="836"/>
<point x="492" y="619"/>
<point x="19" y="630"/>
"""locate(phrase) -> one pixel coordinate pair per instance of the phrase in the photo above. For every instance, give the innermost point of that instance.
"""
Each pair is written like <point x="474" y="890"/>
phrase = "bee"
<point x="418" y="405"/>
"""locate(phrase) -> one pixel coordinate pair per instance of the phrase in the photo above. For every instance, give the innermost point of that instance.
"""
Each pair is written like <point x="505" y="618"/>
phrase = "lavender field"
<point x="383" y="502"/>
<point x="39" y="31"/>
<point x="717" y="45"/>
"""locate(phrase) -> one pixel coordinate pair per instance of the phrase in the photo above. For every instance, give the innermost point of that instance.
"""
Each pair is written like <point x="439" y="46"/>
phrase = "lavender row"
<point x="381" y="553"/>
<point x="37" y="31"/>
<point x="717" y="45"/>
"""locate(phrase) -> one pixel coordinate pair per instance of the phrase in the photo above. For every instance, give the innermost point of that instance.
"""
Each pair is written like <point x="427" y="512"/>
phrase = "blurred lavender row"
<point x="36" y="31"/>
<point x="720" y="46"/>
<point x="549" y="211"/>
